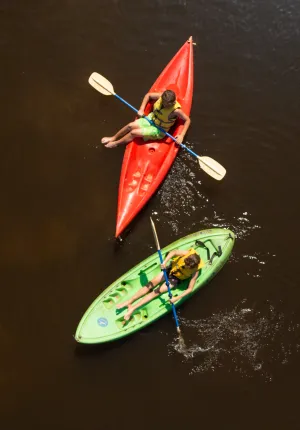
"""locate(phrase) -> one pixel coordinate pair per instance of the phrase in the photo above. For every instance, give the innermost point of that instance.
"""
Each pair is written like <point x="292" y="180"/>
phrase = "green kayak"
<point x="102" y="322"/>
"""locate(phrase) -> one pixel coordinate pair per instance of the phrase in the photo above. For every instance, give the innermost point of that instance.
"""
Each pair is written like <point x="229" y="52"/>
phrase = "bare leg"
<point x="142" y="291"/>
<point x="136" y="132"/>
<point x="145" y="300"/>
<point x="120" y="133"/>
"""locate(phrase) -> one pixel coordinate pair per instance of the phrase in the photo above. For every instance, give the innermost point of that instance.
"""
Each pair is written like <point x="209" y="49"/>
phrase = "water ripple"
<point x="242" y="340"/>
<point x="182" y="194"/>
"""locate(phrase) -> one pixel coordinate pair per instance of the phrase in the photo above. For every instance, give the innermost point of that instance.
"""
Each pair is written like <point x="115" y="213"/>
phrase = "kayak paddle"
<point x="181" y="341"/>
<point x="209" y="165"/>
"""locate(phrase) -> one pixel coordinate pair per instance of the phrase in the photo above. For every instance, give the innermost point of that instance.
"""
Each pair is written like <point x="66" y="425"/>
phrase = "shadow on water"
<point x="120" y="241"/>
<point x="82" y="350"/>
<point x="94" y="350"/>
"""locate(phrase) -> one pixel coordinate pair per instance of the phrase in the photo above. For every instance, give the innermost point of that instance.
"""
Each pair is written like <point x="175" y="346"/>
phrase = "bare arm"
<point x="189" y="288"/>
<point x="146" y="99"/>
<point x="187" y="122"/>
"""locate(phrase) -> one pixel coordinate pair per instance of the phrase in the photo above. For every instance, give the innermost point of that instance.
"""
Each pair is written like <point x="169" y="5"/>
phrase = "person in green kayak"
<point x="185" y="265"/>
<point x="166" y="110"/>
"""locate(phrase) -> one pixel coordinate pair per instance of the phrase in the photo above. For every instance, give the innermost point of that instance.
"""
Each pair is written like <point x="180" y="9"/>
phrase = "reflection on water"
<point x="241" y="340"/>
<point x="254" y="264"/>
<point x="241" y="225"/>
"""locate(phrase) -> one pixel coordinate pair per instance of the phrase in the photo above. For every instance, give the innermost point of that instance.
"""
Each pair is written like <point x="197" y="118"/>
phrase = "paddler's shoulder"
<point x="154" y="96"/>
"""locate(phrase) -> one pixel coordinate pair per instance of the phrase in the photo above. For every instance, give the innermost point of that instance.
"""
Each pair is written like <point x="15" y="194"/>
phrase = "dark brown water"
<point x="58" y="205"/>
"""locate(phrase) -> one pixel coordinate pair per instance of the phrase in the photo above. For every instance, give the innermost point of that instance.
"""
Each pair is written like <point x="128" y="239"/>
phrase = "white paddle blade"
<point x="101" y="84"/>
<point x="212" y="168"/>
<point x="154" y="233"/>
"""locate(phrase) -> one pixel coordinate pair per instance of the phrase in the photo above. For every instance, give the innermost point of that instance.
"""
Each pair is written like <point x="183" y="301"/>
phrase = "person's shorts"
<point x="172" y="279"/>
<point x="150" y="132"/>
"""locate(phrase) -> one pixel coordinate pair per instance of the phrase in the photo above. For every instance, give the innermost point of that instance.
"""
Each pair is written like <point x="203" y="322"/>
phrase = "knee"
<point x="128" y="128"/>
<point x="134" y="133"/>
<point x="131" y="126"/>
<point x="150" y="286"/>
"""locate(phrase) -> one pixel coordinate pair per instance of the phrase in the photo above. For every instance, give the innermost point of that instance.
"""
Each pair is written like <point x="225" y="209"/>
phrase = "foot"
<point x="106" y="140"/>
<point x="123" y="305"/>
<point x="128" y="314"/>
<point x="111" y="145"/>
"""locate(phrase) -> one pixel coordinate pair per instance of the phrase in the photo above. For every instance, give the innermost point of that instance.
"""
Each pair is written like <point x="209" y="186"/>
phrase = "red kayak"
<point x="145" y="165"/>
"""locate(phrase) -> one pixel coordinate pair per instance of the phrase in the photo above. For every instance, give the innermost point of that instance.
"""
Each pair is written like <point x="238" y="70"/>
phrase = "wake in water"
<point x="174" y="204"/>
<point x="192" y="200"/>
<point x="242" y="340"/>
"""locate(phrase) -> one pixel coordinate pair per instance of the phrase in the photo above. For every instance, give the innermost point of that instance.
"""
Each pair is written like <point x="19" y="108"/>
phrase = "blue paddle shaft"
<point x="155" y="125"/>
<point x="165" y="273"/>
<point x="169" y="289"/>
<point x="126" y="103"/>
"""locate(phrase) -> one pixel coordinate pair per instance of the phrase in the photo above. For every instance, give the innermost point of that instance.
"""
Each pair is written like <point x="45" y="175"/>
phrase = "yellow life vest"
<point x="160" y="115"/>
<point x="179" y="270"/>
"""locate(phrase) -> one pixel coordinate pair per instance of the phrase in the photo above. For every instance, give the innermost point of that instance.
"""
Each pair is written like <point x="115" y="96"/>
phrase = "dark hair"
<point x="192" y="261"/>
<point x="168" y="96"/>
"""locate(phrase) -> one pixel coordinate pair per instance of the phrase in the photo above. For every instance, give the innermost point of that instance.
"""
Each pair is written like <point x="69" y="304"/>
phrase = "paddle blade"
<point x="212" y="167"/>
<point x="181" y="343"/>
<point x="154" y="234"/>
<point x="101" y="84"/>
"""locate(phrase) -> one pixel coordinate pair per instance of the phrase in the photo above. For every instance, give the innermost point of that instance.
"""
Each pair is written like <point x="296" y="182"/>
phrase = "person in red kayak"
<point x="186" y="265"/>
<point x="166" y="110"/>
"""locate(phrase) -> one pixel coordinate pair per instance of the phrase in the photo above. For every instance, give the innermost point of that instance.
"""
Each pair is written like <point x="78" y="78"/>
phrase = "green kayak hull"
<point x="102" y="322"/>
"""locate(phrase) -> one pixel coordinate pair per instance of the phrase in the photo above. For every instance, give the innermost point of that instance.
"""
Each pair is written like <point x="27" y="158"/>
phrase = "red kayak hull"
<point x="145" y="165"/>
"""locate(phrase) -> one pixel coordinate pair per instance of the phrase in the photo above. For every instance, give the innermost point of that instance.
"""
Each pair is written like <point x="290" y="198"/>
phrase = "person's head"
<point x="192" y="261"/>
<point x="168" y="98"/>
